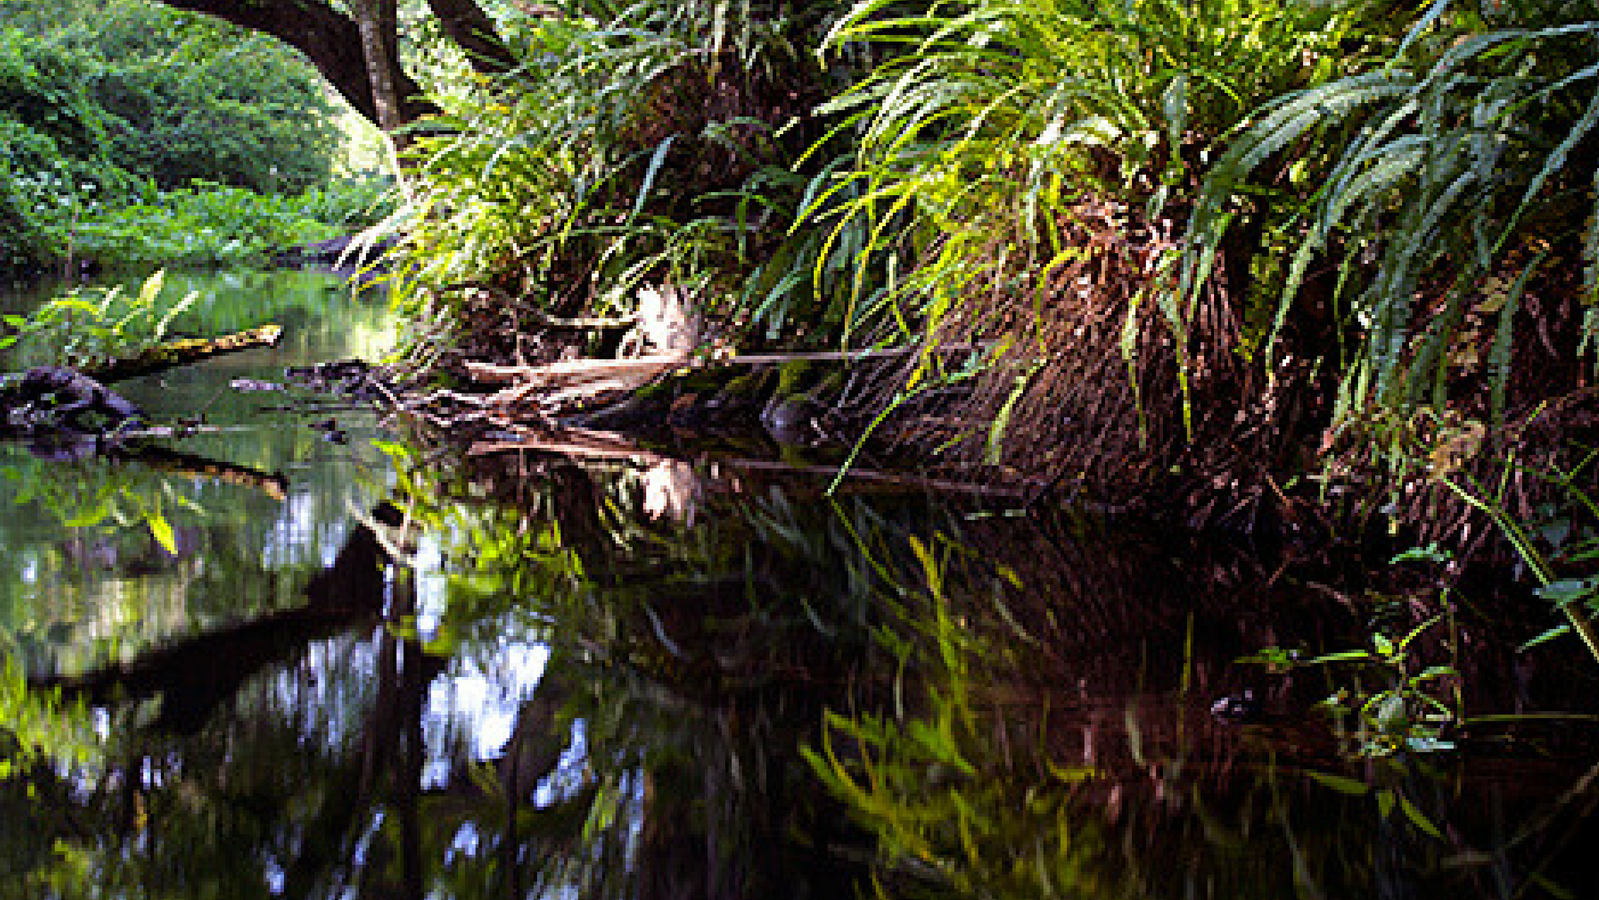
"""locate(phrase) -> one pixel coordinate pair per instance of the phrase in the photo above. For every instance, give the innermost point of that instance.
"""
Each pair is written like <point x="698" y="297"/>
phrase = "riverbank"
<point x="1205" y="300"/>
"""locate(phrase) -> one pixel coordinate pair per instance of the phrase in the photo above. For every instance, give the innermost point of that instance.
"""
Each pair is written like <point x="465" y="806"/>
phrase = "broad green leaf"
<point x="152" y="287"/>
<point x="1385" y="647"/>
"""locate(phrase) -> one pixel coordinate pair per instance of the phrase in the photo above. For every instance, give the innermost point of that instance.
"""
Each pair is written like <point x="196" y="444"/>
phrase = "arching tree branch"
<point x="331" y="40"/>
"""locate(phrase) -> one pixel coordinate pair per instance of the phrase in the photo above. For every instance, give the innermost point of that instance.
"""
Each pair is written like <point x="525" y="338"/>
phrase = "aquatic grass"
<point x="1397" y="702"/>
<point x="1574" y="595"/>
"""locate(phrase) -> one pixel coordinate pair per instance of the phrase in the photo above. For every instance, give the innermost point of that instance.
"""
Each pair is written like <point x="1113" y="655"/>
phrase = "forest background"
<point x="134" y="136"/>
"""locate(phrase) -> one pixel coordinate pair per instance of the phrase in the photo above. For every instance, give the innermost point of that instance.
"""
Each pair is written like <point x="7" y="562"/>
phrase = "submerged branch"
<point x="273" y="484"/>
<point x="195" y="674"/>
<point x="593" y="444"/>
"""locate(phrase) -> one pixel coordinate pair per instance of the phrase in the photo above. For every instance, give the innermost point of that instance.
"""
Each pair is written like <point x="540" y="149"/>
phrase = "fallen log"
<point x="56" y="398"/>
<point x="71" y="401"/>
<point x="183" y="352"/>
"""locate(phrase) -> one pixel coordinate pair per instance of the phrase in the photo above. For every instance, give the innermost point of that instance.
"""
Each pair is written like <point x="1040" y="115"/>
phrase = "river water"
<point x="362" y="665"/>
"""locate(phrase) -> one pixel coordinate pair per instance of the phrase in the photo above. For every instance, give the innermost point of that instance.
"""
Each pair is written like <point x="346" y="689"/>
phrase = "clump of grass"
<point x="635" y="146"/>
<point x="1030" y="167"/>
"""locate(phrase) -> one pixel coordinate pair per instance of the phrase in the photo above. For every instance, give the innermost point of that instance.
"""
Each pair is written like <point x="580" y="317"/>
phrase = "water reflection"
<point x="104" y="555"/>
<point x="522" y="675"/>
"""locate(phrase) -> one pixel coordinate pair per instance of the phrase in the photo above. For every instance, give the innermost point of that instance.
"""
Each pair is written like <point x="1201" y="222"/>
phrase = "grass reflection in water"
<point x="1052" y="735"/>
<point x="751" y="690"/>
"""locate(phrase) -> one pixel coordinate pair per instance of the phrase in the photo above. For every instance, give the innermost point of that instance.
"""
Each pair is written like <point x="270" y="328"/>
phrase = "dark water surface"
<point x="372" y="669"/>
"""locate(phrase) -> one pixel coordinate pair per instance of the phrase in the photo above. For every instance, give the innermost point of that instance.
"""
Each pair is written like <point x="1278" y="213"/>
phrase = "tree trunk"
<point x="465" y="23"/>
<point x="377" y="23"/>
<point x="332" y="41"/>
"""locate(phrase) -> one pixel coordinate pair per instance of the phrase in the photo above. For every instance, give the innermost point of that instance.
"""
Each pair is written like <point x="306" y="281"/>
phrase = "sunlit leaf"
<point x="1549" y="635"/>
<point x="1385" y="646"/>
<point x="1343" y="656"/>
<point x="1431" y="553"/>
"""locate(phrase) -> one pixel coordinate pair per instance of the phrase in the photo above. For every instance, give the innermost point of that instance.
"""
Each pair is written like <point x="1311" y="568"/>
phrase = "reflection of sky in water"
<point x="478" y="699"/>
<point x="474" y="704"/>
<point x="479" y="696"/>
<point x="243" y="553"/>
<point x="303" y="532"/>
<point x="431" y="584"/>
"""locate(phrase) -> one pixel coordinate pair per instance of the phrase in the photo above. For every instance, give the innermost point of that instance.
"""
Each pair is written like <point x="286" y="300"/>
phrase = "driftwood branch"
<point x="558" y="385"/>
<point x="579" y="370"/>
<point x="576" y="371"/>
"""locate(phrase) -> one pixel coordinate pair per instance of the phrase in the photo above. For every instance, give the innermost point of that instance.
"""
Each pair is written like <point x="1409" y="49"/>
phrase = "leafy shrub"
<point x="348" y="203"/>
<point x="103" y="105"/>
<point x="41" y="89"/>
<point x="212" y="225"/>
<point x="92" y="327"/>
<point x="242" y="117"/>
<point x="53" y="150"/>
<point x="1446" y="178"/>
<point x="1022" y="176"/>
<point x="183" y="96"/>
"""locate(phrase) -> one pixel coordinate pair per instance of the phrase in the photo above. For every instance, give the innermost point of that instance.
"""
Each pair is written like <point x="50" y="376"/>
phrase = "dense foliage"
<point x="111" y="110"/>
